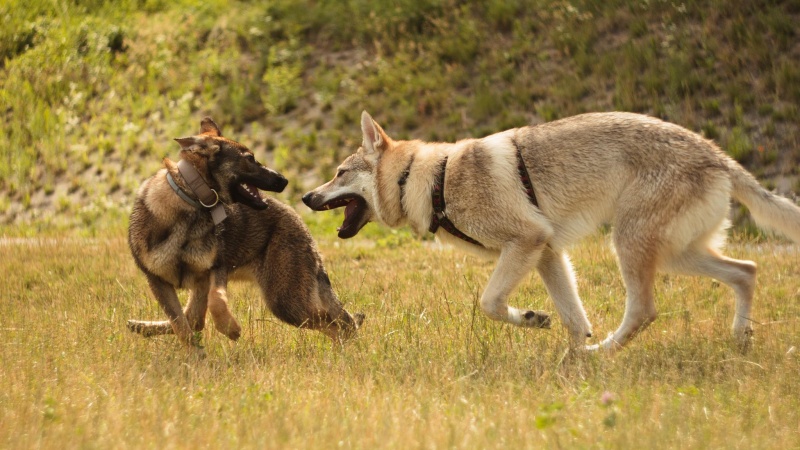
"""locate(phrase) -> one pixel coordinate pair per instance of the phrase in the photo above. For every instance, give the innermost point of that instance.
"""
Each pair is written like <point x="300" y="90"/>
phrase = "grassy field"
<point x="92" y="92"/>
<point x="428" y="370"/>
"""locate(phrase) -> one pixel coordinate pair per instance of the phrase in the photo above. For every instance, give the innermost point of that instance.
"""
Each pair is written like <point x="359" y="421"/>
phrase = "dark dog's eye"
<point x="250" y="157"/>
<point x="340" y="172"/>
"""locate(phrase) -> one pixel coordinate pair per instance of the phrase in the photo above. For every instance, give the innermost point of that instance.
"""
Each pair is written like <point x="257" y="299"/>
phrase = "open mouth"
<point x="355" y="212"/>
<point x="249" y="195"/>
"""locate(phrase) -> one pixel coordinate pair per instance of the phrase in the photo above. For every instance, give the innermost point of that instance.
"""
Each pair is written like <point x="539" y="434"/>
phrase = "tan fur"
<point x="177" y="246"/>
<point x="665" y="189"/>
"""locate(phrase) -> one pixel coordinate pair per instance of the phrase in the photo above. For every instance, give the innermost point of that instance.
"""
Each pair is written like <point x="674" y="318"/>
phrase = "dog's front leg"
<point x="559" y="279"/>
<point x="224" y="321"/>
<point x="195" y="313"/>
<point x="168" y="300"/>
<point x="516" y="260"/>
<point x="197" y="306"/>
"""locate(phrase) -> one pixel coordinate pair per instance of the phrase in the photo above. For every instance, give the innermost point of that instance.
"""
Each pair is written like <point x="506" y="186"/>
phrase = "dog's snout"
<point x="307" y="198"/>
<point x="277" y="182"/>
<point x="282" y="183"/>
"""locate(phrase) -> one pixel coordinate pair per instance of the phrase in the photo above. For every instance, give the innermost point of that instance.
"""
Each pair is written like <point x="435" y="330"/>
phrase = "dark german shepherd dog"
<point x="200" y="222"/>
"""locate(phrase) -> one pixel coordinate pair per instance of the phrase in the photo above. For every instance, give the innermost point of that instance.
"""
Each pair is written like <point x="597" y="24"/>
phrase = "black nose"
<point x="307" y="198"/>
<point x="283" y="183"/>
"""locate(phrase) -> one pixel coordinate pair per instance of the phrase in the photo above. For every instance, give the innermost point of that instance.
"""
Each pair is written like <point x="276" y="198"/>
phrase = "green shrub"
<point x="738" y="144"/>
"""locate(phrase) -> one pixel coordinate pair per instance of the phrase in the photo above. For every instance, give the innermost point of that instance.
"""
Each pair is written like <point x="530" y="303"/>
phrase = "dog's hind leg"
<point x="739" y="275"/>
<point x="224" y="321"/>
<point x="559" y="279"/>
<point x="516" y="260"/>
<point x="638" y="263"/>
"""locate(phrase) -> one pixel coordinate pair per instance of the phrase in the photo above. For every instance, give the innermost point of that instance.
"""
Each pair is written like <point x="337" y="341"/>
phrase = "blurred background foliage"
<point x="93" y="92"/>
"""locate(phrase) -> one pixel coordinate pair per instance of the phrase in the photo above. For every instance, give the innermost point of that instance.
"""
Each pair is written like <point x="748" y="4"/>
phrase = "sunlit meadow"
<point x="92" y="92"/>
<point x="428" y="370"/>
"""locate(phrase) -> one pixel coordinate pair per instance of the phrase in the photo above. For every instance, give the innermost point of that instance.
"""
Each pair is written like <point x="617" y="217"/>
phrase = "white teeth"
<point x="253" y="192"/>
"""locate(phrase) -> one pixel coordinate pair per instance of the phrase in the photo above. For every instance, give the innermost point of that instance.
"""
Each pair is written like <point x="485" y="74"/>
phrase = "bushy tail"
<point x="770" y="211"/>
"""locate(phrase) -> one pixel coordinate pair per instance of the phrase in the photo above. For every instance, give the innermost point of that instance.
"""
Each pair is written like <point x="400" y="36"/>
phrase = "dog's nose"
<point x="307" y="198"/>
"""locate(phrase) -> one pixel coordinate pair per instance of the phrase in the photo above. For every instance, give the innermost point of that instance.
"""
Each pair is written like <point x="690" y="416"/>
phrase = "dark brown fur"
<point x="178" y="246"/>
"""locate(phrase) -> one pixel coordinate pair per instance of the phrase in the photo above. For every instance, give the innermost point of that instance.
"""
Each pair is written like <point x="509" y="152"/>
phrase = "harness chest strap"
<point x="439" y="216"/>
<point x="525" y="178"/>
<point x="437" y="196"/>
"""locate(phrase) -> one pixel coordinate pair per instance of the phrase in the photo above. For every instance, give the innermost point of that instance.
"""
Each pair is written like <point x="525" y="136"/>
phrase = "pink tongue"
<point x="351" y="206"/>
<point x="348" y="210"/>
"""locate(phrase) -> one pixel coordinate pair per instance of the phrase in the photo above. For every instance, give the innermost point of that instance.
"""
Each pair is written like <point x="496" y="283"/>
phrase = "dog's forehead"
<point x="357" y="162"/>
<point x="232" y="144"/>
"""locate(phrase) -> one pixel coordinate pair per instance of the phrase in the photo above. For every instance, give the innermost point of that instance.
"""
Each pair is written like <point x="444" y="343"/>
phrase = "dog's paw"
<point x="359" y="319"/>
<point x="743" y="339"/>
<point x="233" y="331"/>
<point x="228" y="326"/>
<point x="608" y="345"/>
<point x="535" y="319"/>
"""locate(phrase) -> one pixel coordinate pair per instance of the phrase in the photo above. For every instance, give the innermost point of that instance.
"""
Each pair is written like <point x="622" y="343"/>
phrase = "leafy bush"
<point x="93" y="83"/>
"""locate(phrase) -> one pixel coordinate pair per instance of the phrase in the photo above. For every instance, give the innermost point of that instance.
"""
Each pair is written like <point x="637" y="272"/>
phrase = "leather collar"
<point x="206" y="197"/>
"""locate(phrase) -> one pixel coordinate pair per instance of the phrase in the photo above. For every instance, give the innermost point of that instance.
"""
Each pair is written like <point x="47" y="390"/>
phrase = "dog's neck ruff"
<point x="206" y="197"/>
<point x="440" y="218"/>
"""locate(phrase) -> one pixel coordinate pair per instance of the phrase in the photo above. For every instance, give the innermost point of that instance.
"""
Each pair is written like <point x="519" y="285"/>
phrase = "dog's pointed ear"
<point x="197" y="144"/>
<point x="209" y="127"/>
<point x="375" y="139"/>
<point x="187" y="143"/>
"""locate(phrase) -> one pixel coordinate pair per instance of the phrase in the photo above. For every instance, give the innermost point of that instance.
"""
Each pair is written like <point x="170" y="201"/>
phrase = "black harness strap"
<point x="524" y="177"/>
<point x="402" y="181"/>
<point x="440" y="218"/>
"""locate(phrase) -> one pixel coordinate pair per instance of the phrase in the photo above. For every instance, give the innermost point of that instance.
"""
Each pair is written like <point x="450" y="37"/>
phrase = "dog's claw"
<point x="537" y="319"/>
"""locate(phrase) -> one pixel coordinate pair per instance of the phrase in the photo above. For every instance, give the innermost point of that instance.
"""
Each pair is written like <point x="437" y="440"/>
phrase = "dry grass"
<point x="428" y="370"/>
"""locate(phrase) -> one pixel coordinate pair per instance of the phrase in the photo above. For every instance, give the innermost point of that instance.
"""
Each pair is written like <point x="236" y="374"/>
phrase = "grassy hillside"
<point x="92" y="92"/>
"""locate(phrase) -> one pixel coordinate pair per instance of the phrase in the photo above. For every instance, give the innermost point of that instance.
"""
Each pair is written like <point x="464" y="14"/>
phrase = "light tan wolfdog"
<point x="178" y="243"/>
<point x="665" y="189"/>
